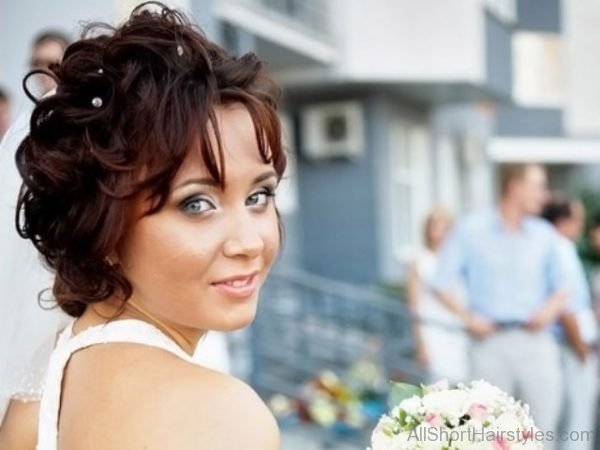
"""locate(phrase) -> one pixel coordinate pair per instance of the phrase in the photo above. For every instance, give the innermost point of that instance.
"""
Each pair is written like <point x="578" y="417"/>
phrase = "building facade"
<point x="391" y="107"/>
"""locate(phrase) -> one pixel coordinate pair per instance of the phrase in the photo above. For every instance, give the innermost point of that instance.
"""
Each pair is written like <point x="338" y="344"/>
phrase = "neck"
<point x="511" y="215"/>
<point x="434" y="246"/>
<point x="187" y="339"/>
<point x="565" y="233"/>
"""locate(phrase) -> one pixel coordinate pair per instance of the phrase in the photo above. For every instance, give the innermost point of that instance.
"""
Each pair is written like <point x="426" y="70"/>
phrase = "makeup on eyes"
<point x="201" y="198"/>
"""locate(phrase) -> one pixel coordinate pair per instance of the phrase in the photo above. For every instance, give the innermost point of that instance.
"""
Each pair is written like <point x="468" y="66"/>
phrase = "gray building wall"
<point x="539" y="15"/>
<point x="522" y="122"/>
<point x="498" y="42"/>
<point x="337" y="223"/>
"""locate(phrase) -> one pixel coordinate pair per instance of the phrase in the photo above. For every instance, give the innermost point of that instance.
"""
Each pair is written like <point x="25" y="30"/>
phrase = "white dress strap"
<point x="120" y="331"/>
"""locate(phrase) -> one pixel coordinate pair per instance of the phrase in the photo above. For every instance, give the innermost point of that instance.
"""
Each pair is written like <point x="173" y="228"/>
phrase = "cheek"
<point x="161" y="254"/>
<point x="270" y="235"/>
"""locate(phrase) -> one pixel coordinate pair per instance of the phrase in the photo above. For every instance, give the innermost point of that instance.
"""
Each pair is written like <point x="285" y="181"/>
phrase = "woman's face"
<point x="199" y="263"/>
<point x="437" y="231"/>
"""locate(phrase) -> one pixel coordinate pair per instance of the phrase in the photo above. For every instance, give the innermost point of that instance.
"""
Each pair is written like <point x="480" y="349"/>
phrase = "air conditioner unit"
<point x="332" y="130"/>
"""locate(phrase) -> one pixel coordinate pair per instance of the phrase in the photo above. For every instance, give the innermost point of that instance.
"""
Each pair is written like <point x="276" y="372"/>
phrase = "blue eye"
<point x="196" y="206"/>
<point x="260" y="198"/>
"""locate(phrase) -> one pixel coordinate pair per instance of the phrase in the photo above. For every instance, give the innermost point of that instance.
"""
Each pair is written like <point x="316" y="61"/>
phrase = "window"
<point x="410" y="194"/>
<point x="537" y="69"/>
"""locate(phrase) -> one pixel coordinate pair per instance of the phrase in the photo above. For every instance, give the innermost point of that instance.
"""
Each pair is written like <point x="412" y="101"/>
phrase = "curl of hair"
<point x="159" y="80"/>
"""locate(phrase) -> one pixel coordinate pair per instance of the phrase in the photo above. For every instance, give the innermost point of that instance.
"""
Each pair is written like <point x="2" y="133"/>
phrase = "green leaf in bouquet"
<point x="402" y="391"/>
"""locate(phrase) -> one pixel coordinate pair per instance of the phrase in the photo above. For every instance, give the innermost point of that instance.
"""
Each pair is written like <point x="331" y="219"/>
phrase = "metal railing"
<point x="306" y="324"/>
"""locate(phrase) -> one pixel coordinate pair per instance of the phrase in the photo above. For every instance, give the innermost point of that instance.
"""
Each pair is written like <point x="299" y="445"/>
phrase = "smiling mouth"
<point x="242" y="286"/>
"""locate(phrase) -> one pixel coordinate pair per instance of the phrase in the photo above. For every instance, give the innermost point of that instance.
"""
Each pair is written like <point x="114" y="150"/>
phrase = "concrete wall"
<point x="581" y="42"/>
<point x="410" y="40"/>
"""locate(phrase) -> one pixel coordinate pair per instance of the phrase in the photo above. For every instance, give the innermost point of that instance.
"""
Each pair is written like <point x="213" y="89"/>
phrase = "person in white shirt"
<point x="578" y="330"/>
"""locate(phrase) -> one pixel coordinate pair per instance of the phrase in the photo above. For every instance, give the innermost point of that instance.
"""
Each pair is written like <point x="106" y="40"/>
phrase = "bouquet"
<point x="476" y="416"/>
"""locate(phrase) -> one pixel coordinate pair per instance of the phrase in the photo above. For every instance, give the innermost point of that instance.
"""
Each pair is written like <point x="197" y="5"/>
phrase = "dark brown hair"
<point x="4" y="96"/>
<point x="560" y="207"/>
<point x="130" y="104"/>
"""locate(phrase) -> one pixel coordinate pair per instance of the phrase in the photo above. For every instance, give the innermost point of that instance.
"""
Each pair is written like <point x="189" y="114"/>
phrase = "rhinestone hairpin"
<point x="180" y="50"/>
<point x="100" y="71"/>
<point x="97" y="102"/>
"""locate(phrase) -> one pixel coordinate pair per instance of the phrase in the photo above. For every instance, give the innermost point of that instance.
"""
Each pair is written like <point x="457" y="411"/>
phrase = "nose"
<point x="244" y="238"/>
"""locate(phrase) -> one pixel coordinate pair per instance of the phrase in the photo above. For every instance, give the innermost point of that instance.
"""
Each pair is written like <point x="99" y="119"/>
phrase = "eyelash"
<point x="268" y="192"/>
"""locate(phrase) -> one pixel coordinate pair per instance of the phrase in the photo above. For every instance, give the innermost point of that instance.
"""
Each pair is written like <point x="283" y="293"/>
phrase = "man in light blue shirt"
<point x="509" y="261"/>
<point x="579" y="330"/>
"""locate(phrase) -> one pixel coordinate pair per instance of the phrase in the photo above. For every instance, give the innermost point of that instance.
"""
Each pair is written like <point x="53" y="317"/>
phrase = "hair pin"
<point x="97" y="102"/>
<point x="180" y="50"/>
<point x="100" y="70"/>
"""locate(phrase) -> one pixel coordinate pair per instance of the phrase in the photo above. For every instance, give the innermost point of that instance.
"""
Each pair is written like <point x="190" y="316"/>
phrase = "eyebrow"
<point x="208" y="181"/>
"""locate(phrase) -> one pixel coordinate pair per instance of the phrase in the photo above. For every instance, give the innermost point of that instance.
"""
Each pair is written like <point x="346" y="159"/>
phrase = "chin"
<point x="237" y="321"/>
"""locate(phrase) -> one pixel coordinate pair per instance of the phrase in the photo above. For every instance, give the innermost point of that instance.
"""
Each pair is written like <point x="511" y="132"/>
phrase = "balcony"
<point x="284" y="30"/>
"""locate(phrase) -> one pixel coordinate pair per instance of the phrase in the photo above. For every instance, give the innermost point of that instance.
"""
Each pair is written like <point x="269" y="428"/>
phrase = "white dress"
<point x="128" y="330"/>
<point x="446" y="343"/>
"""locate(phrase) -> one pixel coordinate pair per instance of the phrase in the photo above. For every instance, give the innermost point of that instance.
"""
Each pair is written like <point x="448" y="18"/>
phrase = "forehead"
<point x="49" y="47"/>
<point x="239" y="145"/>
<point x="535" y="173"/>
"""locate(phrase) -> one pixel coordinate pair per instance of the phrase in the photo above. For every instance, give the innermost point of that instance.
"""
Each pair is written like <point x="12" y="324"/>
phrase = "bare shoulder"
<point x="216" y="411"/>
<point x="154" y="400"/>
<point x="18" y="430"/>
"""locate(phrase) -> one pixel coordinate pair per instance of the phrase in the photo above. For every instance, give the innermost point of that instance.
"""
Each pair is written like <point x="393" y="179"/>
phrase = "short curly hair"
<point x="130" y="103"/>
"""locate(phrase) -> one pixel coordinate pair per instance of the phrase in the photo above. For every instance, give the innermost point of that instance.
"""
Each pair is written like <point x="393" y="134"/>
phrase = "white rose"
<point x="508" y="421"/>
<point x="439" y="386"/>
<point x="451" y="404"/>
<point x="380" y="441"/>
<point x="510" y="427"/>
<point x="429" y="438"/>
<point x="484" y="393"/>
<point x="413" y="405"/>
<point x="467" y="437"/>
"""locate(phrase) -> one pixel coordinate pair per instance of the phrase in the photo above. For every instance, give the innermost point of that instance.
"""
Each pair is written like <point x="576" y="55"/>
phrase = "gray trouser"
<point x="527" y="366"/>
<point x="578" y="418"/>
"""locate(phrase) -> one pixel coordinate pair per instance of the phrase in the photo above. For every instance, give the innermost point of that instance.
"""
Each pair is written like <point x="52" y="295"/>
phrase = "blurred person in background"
<point x="48" y="48"/>
<point x="516" y="289"/>
<point x="594" y="271"/>
<point x="440" y="341"/>
<point x="5" y="112"/>
<point x="578" y="332"/>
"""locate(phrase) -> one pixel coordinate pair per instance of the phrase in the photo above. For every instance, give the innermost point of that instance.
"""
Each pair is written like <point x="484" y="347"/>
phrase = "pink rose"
<point x="433" y="420"/>
<point x="501" y="444"/>
<point x="478" y="412"/>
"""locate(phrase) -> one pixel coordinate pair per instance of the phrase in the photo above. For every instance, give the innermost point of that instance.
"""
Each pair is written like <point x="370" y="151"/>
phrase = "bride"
<point x="149" y="183"/>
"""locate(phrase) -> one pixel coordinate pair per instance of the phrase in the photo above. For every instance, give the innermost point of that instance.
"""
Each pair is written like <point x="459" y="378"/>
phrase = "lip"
<point x="240" y="292"/>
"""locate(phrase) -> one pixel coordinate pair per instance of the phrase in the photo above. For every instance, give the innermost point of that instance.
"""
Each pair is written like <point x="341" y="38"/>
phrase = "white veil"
<point x="26" y="329"/>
